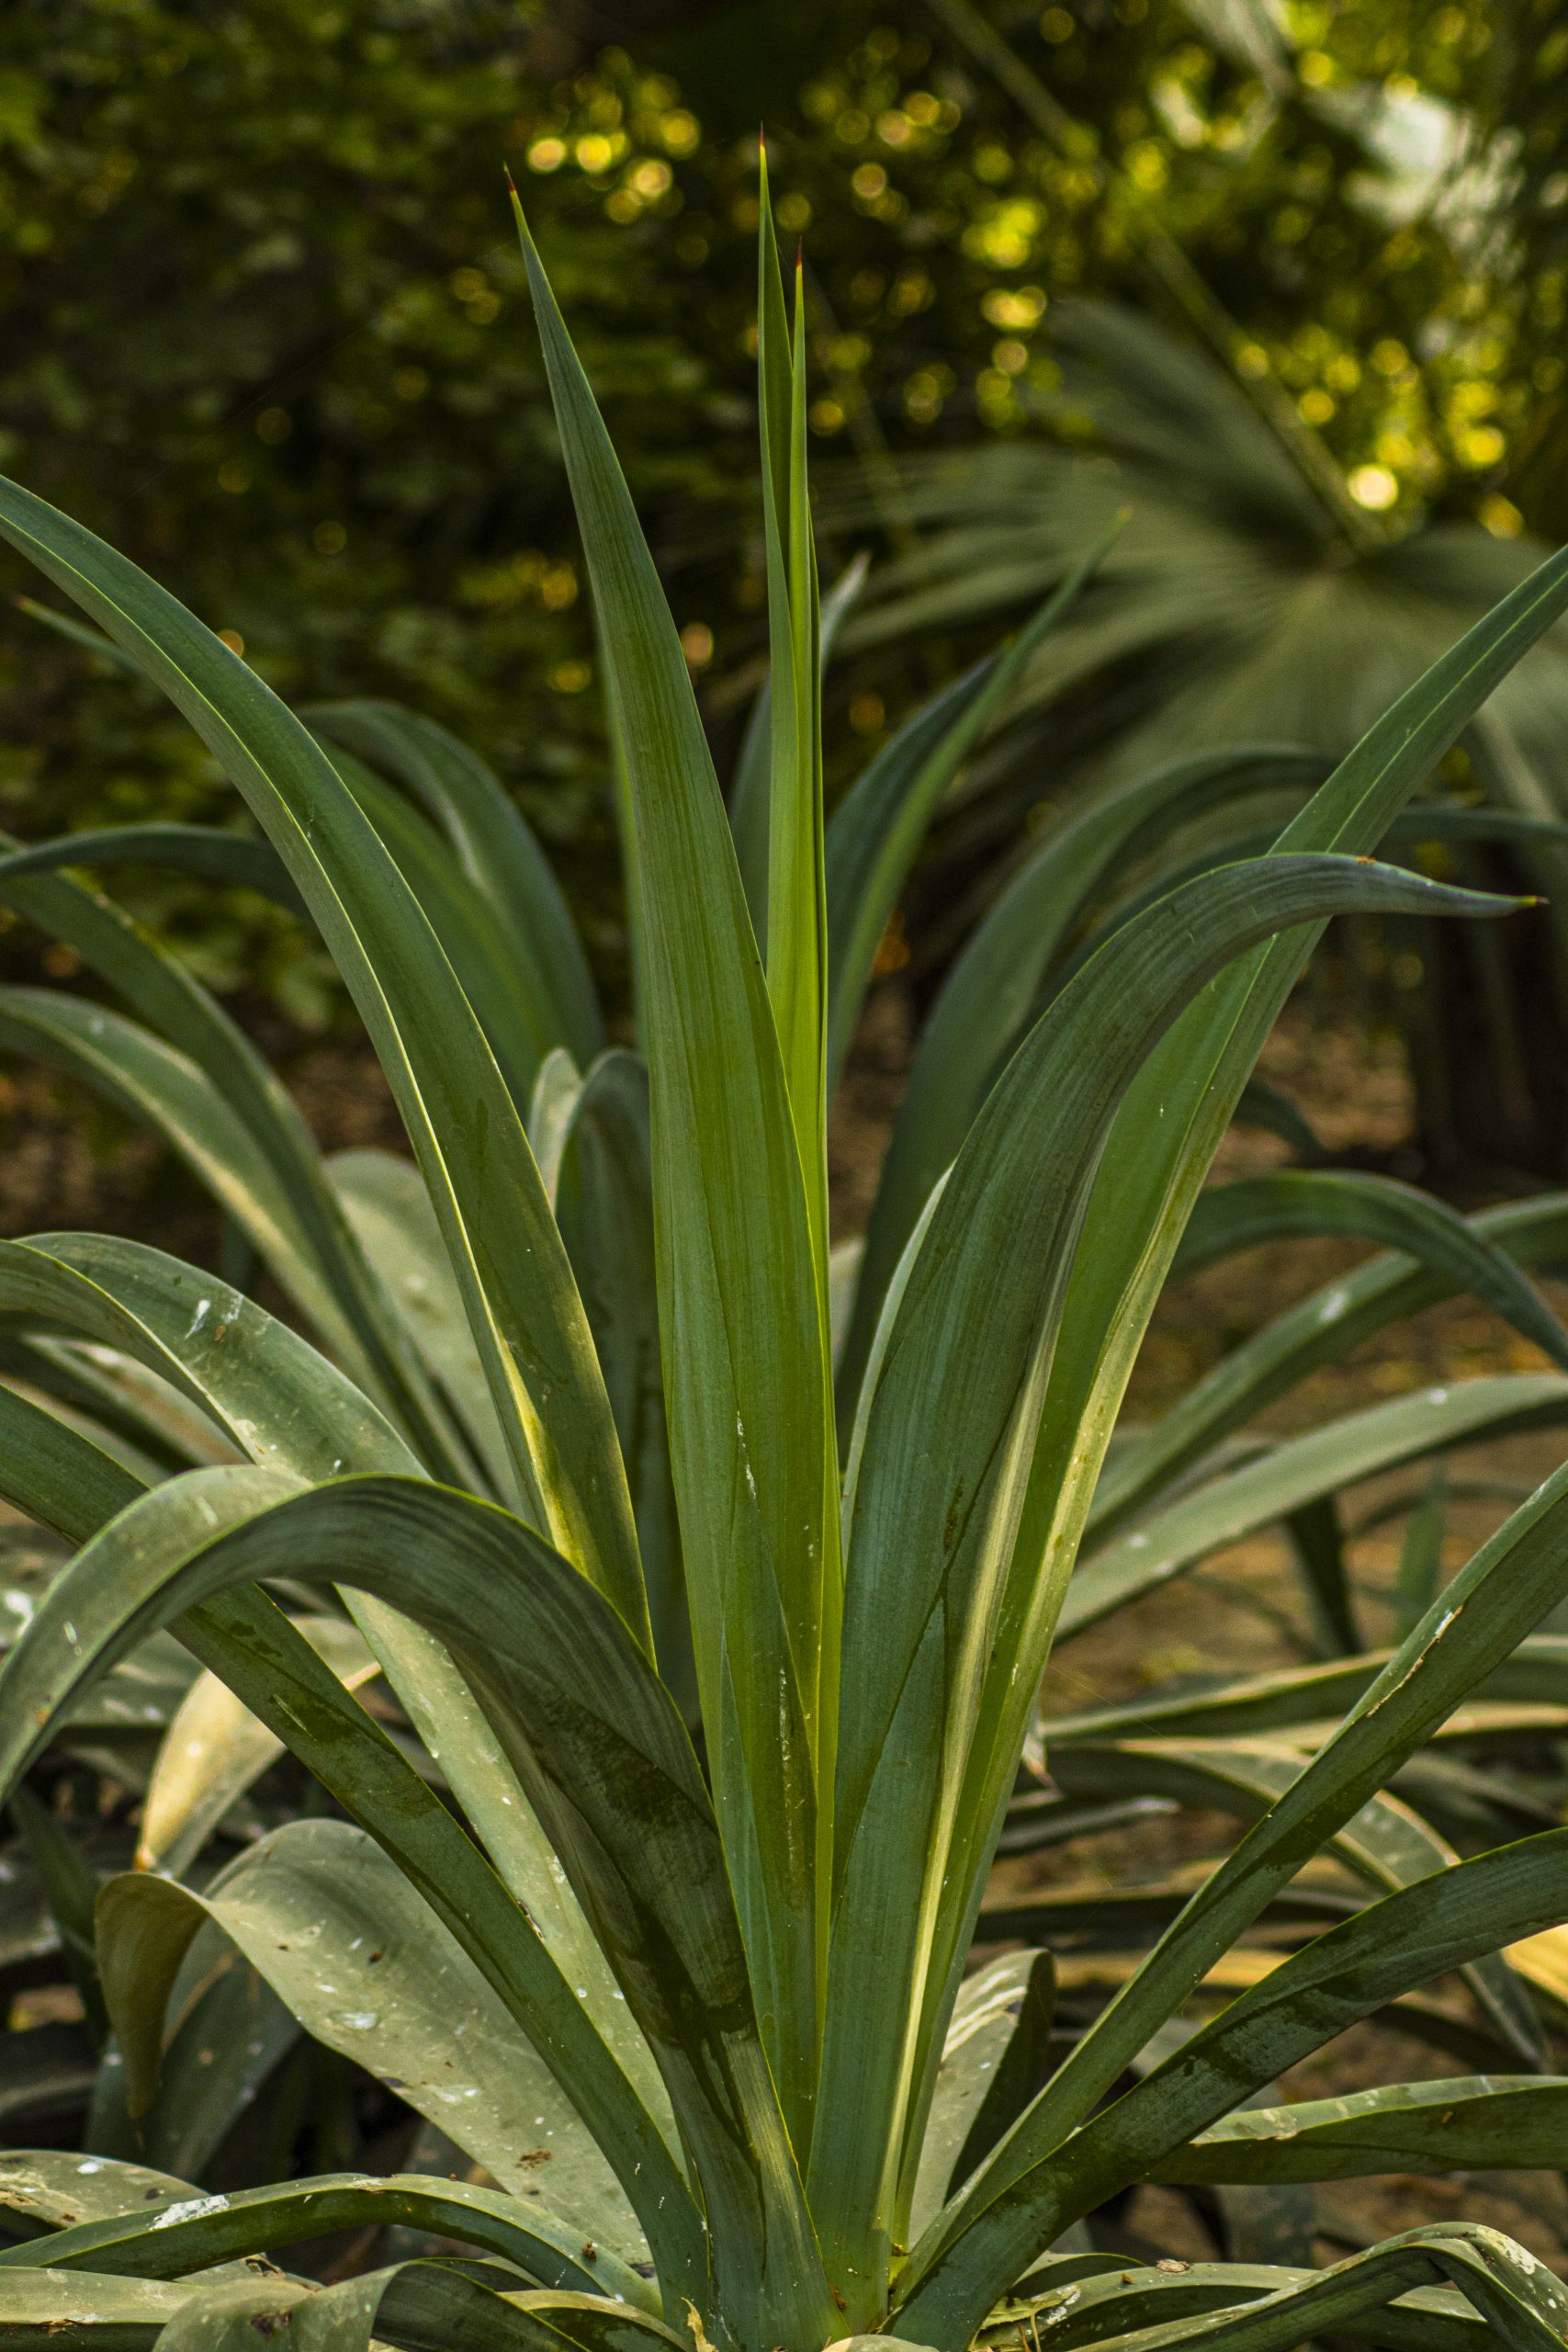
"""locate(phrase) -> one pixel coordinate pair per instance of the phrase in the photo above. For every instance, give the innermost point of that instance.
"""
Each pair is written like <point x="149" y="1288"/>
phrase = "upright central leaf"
<point x="797" y="917"/>
<point x="746" y="1382"/>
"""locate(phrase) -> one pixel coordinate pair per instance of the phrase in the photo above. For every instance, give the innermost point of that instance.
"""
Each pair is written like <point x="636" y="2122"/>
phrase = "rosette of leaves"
<point x="582" y="1453"/>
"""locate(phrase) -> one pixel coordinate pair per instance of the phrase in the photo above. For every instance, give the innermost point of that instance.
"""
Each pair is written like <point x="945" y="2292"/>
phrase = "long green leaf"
<point x="1475" y="2123"/>
<point x="749" y="791"/>
<point x="1299" y="1471"/>
<point x="1228" y="1218"/>
<point x="350" y="1948"/>
<point x="878" y="827"/>
<point x="602" y="1751"/>
<point x="947" y="1456"/>
<point x="192" y="2232"/>
<point x="536" y="1955"/>
<point x="796" y="951"/>
<point x="497" y="850"/>
<point x="1323" y="1328"/>
<point x="464" y="1128"/>
<point x="1503" y="1592"/>
<point x="987" y="998"/>
<point x="1166" y="1133"/>
<point x="287" y="1409"/>
<point x="746" y="1360"/>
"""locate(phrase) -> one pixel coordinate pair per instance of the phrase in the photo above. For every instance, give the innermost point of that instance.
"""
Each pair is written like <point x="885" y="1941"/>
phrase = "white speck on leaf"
<point x="189" y="2209"/>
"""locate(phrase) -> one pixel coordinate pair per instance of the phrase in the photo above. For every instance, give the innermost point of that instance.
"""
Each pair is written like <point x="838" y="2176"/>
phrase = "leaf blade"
<point x="752" y="1444"/>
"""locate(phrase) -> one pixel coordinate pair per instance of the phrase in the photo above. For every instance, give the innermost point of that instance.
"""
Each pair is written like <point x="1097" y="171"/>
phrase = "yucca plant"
<point x="568" y="1459"/>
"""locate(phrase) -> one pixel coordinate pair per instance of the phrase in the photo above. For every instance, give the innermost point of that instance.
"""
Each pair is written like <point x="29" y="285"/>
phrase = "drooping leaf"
<point x="1228" y="1218"/>
<point x="1477" y="2122"/>
<point x="288" y="1410"/>
<point x="1299" y="1471"/>
<point x="577" y="2020"/>
<point x="353" y="1952"/>
<point x="985" y="1002"/>
<point x="576" y="1708"/>
<point x="1503" y="1592"/>
<point x="465" y="1130"/>
<point x="932" y="1516"/>
<point x="186" y="2230"/>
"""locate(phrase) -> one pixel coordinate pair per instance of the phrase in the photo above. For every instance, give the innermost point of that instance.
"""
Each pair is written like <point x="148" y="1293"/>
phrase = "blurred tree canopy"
<point x="264" y="325"/>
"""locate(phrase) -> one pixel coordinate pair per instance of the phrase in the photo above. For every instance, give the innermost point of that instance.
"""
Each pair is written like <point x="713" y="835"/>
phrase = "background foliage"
<point x="262" y="319"/>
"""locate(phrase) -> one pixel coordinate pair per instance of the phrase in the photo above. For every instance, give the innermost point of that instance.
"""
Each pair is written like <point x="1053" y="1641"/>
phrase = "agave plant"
<point x="719" y="1662"/>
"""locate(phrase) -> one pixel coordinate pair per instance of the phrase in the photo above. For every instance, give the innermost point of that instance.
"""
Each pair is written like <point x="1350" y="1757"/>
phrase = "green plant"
<point x="691" y="2013"/>
<point x="1233" y="607"/>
